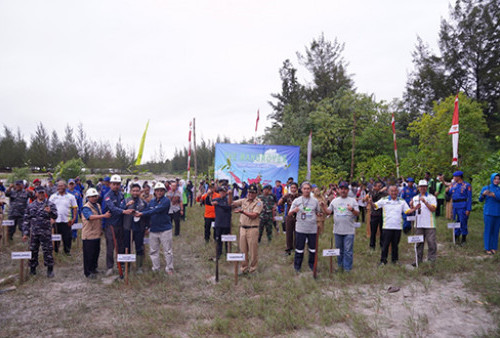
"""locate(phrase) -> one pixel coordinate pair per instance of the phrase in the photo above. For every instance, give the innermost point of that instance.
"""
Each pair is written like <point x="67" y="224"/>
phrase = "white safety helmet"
<point x="160" y="185"/>
<point x="91" y="192"/>
<point x="115" y="179"/>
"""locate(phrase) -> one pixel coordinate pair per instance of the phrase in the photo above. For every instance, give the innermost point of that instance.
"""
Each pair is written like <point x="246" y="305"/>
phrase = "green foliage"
<point x="71" y="169"/>
<point x="378" y="166"/>
<point x="489" y="166"/>
<point x="20" y="174"/>
<point x="322" y="175"/>
<point x="434" y="143"/>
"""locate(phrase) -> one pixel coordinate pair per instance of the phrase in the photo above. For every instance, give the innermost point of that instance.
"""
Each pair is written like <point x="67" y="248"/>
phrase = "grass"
<point x="274" y="301"/>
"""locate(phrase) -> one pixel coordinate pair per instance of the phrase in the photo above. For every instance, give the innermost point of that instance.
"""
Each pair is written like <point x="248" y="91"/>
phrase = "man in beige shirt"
<point x="249" y="209"/>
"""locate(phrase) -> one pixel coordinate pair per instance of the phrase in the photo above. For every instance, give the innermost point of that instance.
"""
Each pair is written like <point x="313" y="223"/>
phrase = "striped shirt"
<point x="426" y="218"/>
<point x="392" y="212"/>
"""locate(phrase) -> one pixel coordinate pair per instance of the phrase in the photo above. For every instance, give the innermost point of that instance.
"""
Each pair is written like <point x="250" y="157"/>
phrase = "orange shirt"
<point x="209" y="209"/>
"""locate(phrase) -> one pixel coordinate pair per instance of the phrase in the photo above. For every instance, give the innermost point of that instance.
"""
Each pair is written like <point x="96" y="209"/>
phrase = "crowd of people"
<point x="125" y="212"/>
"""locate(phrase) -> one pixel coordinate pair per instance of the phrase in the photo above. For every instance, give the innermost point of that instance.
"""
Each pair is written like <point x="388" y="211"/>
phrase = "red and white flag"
<point x="393" y="124"/>
<point x="454" y="133"/>
<point x="309" y="155"/>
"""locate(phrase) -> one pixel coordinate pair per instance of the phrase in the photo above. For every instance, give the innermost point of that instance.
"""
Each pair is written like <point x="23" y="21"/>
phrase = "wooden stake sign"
<point x="416" y="239"/>
<point x="224" y="238"/>
<point x="236" y="258"/>
<point x="56" y="238"/>
<point x="453" y="226"/>
<point x="21" y="256"/>
<point x="126" y="258"/>
<point x="5" y="224"/>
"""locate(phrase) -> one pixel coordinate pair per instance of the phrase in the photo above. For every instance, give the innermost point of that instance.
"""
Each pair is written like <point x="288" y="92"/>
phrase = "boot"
<point x="50" y="271"/>
<point x="33" y="270"/>
<point x="464" y="239"/>
<point x="457" y="239"/>
<point x="140" y="260"/>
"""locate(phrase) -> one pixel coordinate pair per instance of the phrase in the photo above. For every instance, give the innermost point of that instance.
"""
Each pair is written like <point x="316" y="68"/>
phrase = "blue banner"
<point x="256" y="163"/>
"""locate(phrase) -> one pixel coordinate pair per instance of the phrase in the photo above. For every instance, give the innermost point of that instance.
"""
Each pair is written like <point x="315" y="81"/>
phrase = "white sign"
<point x="146" y="240"/>
<point x="228" y="238"/>
<point x="416" y="239"/>
<point x="76" y="226"/>
<point x="411" y="218"/>
<point x="21" y="255"/>
<point x="8" y="223"/>
<point x="453" y="225"/>
<point x="213" y="224"/>
<point x="56" y="238"/>
<point x="331" y="252"/>
<point x="235" y="257"/>
<point x="278" y="218"/>
<point x="126" y="258"/>
<point x="357" y="224"/>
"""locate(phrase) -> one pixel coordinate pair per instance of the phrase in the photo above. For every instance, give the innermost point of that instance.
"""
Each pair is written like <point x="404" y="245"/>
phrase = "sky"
<point x="113" y="64"/>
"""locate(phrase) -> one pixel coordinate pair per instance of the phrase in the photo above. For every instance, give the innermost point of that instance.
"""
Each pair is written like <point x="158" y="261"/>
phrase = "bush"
<point x="20" y="174"/>
<point x="71" y="169"/>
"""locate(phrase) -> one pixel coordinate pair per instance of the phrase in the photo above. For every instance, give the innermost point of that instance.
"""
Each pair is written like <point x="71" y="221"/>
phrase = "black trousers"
<point x="137" y="237"/>
<point x="110" y="245"/>
<point x="300" y="245"/>
<point x="65" y="231"/>
<point x="375" y="224"/>
<point x="390" y="237"/>
<point x="218" y="240"/>
<point x="91" y="250"/>
<point x="208" y="225"/>
<point x="439" y="208"/>
<point x="176" y="218"/>
<point x="362" y="211"/>
<point x="18" y="222"/>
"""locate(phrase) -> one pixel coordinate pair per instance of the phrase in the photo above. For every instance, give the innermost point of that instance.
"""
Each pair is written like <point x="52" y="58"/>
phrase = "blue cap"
<point x="71" y="181"/>
<point x="40" y="189"/>
<point x="410" y="179"/>
<point x="458" y="173"/>
<point x="267" y="186"/>
<point x="343" y="184"/>
<point x="107" y="179"/>
<point x="19" y="182"/>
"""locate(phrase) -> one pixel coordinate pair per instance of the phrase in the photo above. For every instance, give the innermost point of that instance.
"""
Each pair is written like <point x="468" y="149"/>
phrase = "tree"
<point x="69" y="146"/>
<point x="12" y="149"/>
<point x="39" y="148"/>
<point x="55" y="149"/>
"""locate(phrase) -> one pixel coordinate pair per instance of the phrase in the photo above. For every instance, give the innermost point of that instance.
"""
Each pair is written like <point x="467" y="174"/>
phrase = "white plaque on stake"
<point x="411" y="218"/>
<point x="331" y="252"/>
<point x="357" y="224"/>
<point x="125" y="258"/>
<point x="235" y="257"/>
<point x="8" y="223"/>
<point x="278" y="218"/>
<point x="146" y="240"/>
<point x="76" y="226"/>
<point x="416" y="239"/>
<point x="213" y="224"/>
<point x="453" y="225"/>
<point x="56" y="238"/>
<point x="228" y="238"/>
<point x="21" y="255"/>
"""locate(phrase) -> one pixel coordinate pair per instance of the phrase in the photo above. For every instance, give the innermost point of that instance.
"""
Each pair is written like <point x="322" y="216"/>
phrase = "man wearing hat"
<point x="222" y="207"/>
<point x="461" y="195"/>
<point x="51" y="187"/>
<point x="104" y="190"/>
<point x="75" y="191"/>
<point x="18" y="201"/>
<point x="407" y="193"/>
<point x="114" y="225"/>
<point x="268" y="212"/>
<point x="249" y="209"/>
<point x="37" y="225"/>
<point x="425" y="221"/>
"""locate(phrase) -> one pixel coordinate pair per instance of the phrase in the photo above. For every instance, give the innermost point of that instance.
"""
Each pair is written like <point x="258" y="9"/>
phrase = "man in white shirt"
<point x="425" y="221"/>
<point x="393" y="208"/>
<point x="66" y="207"/>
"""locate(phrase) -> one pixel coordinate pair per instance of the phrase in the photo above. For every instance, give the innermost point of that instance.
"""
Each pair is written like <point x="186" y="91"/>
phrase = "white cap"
<point x="422" y="183"/>
<point x="160" y="185"/>
<point x="115" y="179"/>
<point x="91" y="192"/>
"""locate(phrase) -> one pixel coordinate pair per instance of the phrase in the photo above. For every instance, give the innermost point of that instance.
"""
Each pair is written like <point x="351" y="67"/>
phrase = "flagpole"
<point x="393" y="124"/>
<point x="189" y="151"/>
<point x="309" y="156"/>
<point x="256" y="126"/>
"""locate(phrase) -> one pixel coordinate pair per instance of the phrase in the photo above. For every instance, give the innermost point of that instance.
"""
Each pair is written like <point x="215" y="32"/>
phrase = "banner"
<point x="251" y="163"/>
<point x="141" y="147"/>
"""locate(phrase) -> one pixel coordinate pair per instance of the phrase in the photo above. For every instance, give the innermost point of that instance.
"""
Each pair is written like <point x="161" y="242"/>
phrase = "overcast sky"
<point x="114" y="64"/>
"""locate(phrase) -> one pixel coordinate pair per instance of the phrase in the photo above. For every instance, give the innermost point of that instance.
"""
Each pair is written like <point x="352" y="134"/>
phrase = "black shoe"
<point x="68" y="254"/>
<point x="464" y="239"/>
<point x="457" y="239"/>
<point x="33" y="271"/>
<point x="407" y="230"/>
<point x="382" y="264"/>
<point x="50" y="271"/>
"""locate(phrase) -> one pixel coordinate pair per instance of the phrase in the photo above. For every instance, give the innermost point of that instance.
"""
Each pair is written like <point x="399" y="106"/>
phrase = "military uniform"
<point x="461" y="195"/>
<point x="17" y="208"/>
<point x="266" y="216"/>
<point x="37" y="225"/>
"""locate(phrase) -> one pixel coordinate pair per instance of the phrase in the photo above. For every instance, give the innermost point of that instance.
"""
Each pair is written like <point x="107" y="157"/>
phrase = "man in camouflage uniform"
<point x="37" y="226"/>
<point x="17" y="206"/>
<point x="268" y="212"/>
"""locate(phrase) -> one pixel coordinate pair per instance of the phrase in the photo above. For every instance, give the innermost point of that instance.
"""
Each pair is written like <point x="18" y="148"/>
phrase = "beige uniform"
<point x="249" y="232"/>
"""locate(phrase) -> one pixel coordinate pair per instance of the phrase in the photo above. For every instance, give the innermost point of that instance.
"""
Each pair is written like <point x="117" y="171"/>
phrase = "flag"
<point x="189" y="151"/>
<point x="393" y="124"/>
<point x="141" y="147"/>
<point x="309" y="152"/>
<point x="454" y="133"/>
<point x="257" y="122"/>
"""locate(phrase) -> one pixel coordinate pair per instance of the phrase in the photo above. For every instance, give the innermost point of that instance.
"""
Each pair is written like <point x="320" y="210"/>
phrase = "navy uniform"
<point x="38" y="227"/>
<point x="461" y="195"/>
<point x="112" y="203"/>
<point x="17" y="207"/>
<point x="407" y="193"/>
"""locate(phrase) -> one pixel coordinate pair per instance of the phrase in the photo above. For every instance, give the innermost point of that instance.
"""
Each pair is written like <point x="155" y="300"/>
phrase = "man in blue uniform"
<point x="114" y="225"/>
<point x="407" y="193"/>
<point x="461" y="195"/>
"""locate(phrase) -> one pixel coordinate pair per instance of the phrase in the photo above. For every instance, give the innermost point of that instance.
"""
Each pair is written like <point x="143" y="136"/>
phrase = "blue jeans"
<point x="345" y="243"/>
